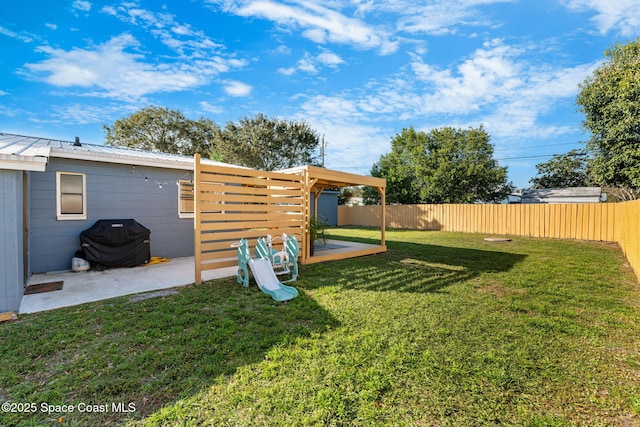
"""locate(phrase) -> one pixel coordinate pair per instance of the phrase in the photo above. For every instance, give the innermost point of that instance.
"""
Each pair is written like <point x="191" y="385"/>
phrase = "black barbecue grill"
<point x="116" y="243"/>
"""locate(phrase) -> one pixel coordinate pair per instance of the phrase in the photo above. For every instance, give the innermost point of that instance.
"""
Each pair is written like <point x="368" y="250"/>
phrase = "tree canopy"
<point x="610" y="100"/>
<point x="563" y="170"/>
<point x="268" y="144"/>
<point x="259" y="142"/>
<point x="163" y="130"/>
<point x="446" y="165"/>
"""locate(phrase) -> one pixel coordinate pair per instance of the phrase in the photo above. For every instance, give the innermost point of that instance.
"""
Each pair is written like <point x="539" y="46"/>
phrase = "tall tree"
<point x="563" y="170"/>
<point x="610" y="100"/>
<point x="269" y="144"/>
<point x="160" y="129"/>
<point x="446" y="165"/>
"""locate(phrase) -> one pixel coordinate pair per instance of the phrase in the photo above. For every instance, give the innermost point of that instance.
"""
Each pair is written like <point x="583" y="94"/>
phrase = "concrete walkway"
<point x="87" y="286"/>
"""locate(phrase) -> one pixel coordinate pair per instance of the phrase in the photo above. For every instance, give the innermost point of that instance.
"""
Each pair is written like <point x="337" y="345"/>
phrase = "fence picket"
<point x="613" y="222"/>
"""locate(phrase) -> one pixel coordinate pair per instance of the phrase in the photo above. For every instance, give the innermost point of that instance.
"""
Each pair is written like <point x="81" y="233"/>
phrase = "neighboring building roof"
<point x="18" y="152"/>
<point x="562" y="195"/>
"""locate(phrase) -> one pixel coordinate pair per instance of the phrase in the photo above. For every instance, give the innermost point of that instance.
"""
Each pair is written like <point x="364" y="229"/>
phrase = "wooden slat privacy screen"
<point x="234" y="203"/>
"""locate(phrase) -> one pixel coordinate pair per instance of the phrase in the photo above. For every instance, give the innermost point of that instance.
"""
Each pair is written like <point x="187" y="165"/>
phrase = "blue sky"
<point x="358" y="71"/>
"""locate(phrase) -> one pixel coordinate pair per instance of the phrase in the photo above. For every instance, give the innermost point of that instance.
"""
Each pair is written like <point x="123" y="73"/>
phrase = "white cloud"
<point x="621" y="16"/>
<point x="3" y="93"/>
<point x="109" y="10"/>
<point x="317" y="21"/>
<point x="108" y="70"/>
<point x="492" y="72"/>
<point x="51" y="26"/>
<point x="236" y="88"/>
<point x="352" y="146"/>
<point x="499" y="86"/>
<point x="330" y="59"/>
<point x="282" y="50"/>
<point x="182" y="38"/>
<point x="435" y="17"/>
<point x="80" y="114"/>
<point x="306" y="65"/>
<point x="354" y="142"/>
<point x="332" y="107"/>
<point x="210" y="108"/>
<point x="287" y="71"/>
<point x="312" y="65"/>
<point x="27" y="38"/>
<point x="82" y="5"/>
<point x="12" y="112"/>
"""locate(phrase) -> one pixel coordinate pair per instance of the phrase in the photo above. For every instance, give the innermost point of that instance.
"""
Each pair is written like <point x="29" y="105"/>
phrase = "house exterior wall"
<point x="327" y="206"/>
<point x="11" y="240"/>
<point x="114" y="191"/>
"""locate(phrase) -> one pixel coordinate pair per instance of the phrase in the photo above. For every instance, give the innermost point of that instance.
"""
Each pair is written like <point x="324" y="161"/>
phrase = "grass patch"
<point x="443" y="329"/>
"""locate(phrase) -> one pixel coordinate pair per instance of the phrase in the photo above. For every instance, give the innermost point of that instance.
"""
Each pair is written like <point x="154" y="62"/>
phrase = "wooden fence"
<point x="613" y="222"/>
<point x="234" y="203"/>
<point x="627" y="225"/>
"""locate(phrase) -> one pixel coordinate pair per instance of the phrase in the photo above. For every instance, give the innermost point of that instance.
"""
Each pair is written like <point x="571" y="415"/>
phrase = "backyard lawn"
<point x="444" y="329"/>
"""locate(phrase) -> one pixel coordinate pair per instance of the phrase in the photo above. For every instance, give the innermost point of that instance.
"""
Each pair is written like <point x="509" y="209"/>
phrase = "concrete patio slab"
<point x="88" y="286"/>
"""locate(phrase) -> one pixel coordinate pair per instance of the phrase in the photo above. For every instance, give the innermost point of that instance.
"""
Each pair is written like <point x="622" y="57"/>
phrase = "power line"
<point x="538" y="146"/>
<point x="524" y="157"/>
<point x="539" y="156"/>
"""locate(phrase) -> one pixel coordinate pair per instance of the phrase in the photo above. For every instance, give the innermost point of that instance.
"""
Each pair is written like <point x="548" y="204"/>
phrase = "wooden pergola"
<point x="232" y="203"/>
<point x="315" y="181"/>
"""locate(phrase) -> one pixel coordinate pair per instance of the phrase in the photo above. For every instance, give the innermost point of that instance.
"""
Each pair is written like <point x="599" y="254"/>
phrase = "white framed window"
<point x="185" y="199"/>
<point x="71" y="196"/>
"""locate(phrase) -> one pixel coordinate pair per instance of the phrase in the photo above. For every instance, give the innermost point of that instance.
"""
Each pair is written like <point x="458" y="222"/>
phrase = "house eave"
<point x="121" y="159"/>
<point x="23" y="163"/>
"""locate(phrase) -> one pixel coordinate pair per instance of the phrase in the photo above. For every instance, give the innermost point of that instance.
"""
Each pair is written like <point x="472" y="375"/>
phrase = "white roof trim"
<point x="18" y="152"/>
<point x="122" y="159"/>
<point x="23" y="163"/>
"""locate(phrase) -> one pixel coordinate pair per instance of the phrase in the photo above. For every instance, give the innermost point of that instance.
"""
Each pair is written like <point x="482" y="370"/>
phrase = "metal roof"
<point x="562" y="195"/>
<point x="21" y="152"/>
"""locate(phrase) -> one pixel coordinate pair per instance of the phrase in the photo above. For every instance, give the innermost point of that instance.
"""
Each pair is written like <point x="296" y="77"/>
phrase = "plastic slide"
<point x="268" y="282"/>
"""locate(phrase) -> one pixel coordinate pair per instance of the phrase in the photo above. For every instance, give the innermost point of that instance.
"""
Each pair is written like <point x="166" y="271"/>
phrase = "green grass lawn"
<point x="444" y="329"/>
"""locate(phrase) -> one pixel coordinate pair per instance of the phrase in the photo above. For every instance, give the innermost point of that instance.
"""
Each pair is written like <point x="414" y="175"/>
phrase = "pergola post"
<point x="383" y="215"/>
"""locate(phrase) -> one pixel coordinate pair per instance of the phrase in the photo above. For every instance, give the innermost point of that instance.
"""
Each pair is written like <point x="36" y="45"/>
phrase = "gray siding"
<point x="327" y="206"/>
<point x="11" y="247"/>
<point x="113" y="192"/>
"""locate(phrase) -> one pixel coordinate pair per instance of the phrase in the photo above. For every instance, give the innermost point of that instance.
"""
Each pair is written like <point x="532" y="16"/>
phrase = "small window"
<point x="185" y="199"/>
<point x="71" y="199"/>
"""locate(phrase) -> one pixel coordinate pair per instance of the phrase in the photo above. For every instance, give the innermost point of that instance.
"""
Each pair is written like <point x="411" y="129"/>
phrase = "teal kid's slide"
<point x="268" y="282"/>
<point x="263" y="274"/>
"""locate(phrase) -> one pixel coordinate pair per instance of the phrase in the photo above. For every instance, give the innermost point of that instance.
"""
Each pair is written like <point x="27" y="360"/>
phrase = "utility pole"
<point x="323" y="146"/>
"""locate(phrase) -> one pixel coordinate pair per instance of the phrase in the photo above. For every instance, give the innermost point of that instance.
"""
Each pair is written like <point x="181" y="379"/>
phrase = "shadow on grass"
<point x="413" y="267"/>
<point x="149" y="353"/>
